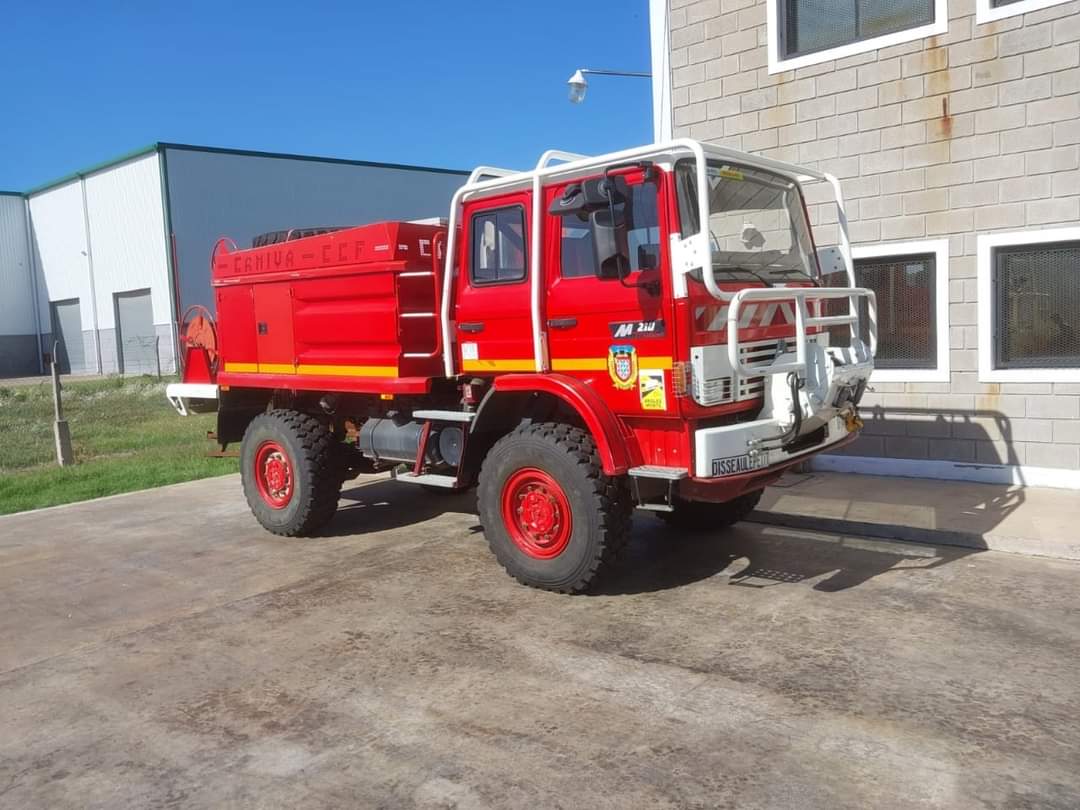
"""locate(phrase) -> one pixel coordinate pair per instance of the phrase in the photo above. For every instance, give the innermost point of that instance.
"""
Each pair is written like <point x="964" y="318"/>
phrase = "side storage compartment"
<point x="236" y="328"/>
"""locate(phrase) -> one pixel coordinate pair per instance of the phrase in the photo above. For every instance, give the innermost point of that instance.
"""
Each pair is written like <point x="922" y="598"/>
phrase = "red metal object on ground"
<point x="644" y="329"/>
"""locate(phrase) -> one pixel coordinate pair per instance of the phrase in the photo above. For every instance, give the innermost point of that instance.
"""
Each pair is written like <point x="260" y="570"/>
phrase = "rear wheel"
<point x="701" y="516"/>
<point x="290" y="472"/>
<point x="551" y="516"/>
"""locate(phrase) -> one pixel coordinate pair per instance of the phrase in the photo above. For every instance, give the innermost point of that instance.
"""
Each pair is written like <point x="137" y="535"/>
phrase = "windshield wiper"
<point x="754" y="273"/>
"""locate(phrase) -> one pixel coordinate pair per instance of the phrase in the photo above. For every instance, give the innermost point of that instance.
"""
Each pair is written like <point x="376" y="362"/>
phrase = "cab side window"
<point x="498" y="246"/>
<point x="578" y="260"/>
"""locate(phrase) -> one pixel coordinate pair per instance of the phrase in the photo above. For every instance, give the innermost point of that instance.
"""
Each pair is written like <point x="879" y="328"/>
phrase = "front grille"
<point x="721" y="389"/>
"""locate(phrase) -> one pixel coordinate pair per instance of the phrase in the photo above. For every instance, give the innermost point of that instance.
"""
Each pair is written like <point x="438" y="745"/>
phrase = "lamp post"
<point x="578" y="83"/>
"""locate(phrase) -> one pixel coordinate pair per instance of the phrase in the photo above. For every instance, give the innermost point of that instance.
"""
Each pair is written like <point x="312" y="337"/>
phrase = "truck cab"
<point x="724" y="351"/>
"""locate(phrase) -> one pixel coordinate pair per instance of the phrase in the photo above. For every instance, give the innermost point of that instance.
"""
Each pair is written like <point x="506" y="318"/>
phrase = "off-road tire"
<point x="600" y="505"/>
<point x="316" y="472"/>
<point x="700" y="516"/>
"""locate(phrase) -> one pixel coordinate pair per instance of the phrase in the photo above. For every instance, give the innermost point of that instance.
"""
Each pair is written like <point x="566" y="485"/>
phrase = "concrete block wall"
<point x="970" y="132"/>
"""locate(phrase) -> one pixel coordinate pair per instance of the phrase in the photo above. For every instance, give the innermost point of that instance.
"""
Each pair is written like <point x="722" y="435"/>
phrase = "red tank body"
<point x="354" y="311"/>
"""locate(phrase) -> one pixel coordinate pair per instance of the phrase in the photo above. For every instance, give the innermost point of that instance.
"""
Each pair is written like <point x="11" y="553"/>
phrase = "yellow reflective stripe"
<point x="348" y="371"/>
<point x="578" y="364"/>
<point x="311" y="370"/>
<point x="276" y="368"/>
<point x="498" y="365"/>
<point x="242" y="367"/>
<point x="600" y="364"/>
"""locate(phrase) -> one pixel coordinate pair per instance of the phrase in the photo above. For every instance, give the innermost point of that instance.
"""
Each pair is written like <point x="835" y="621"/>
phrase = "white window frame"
<point x="777" y="63"/>
<point x="985" y="277"/>
<point x="940" y="249"/>
<point x="984" y="12"/>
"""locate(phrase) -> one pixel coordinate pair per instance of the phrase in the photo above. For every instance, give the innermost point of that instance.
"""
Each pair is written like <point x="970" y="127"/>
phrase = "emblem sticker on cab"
<point x="622" y="366"/>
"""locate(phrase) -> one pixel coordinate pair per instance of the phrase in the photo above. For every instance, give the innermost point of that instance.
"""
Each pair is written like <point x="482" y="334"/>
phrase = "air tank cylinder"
<point x="394" y="440"/>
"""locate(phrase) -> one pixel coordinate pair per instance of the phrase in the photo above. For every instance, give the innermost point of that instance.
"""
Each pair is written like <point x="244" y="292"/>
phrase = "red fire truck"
<point x="651" y="329"/>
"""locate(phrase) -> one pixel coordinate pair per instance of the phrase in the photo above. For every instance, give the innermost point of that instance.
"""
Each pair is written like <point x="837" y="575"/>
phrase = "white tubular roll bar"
<point x="803" y="319"/>
<point x="687" y="254"/>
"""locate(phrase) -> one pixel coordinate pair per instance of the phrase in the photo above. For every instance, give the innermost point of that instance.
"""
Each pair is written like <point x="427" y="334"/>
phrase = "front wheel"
<point x="701" y="516"/>
<point x="551" y="516"/>
<point x="290" y="473"/>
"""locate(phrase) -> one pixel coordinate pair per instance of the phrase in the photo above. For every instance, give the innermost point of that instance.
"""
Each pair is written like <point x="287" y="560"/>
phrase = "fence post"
<point x="157" y="356"/>
<point x="61" y="433"/>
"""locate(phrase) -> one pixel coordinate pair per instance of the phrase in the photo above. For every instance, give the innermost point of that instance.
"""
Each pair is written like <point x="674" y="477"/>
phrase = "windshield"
<point x="757" y="224"/>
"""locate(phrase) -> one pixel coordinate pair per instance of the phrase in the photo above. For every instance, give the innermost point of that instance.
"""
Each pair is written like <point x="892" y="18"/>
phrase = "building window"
<point x="911" y="286"/>
<point x="1029" y="306"/>
<point x="904" y="286"/>
<point x="816" y="25"/>
<point x="990" y="10"/>
<point x="1037" y="306"/>
<point x="498" y="240"/>
<point x="806" y="32"/>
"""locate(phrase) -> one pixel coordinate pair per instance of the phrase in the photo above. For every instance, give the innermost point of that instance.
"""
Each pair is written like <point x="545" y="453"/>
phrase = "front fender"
<point x="611" y="443"/>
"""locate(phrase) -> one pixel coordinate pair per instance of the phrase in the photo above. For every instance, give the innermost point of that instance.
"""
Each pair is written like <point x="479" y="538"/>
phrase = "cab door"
<point x="616" y="335"/>
<point x="492" y="314"/>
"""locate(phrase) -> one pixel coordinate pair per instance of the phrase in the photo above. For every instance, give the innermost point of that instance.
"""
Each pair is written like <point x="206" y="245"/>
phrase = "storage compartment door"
<point x="274" y="328"/>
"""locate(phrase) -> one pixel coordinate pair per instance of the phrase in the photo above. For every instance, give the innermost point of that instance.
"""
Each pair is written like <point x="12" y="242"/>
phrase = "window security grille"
<point x="905" y="287"/>
<point x="1036" y="307"/>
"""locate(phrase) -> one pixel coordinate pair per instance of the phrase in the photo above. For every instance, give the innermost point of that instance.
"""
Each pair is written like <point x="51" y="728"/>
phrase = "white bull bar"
<point x="803" y="320"/>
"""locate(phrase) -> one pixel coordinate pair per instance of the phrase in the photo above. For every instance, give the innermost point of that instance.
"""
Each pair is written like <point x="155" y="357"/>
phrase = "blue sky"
<point x="449" y="84"/>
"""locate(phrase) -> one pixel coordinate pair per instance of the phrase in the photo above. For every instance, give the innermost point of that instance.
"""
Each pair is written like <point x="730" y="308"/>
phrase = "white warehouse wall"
<point x="96" y="236"/>
<point x="58" y="237"/>
<point x="18" y="329"/>
<point x="127" y="240"/>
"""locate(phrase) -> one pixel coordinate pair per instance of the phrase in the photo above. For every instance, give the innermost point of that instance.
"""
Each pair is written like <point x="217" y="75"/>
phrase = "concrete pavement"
<point x="1023" y="520"/>
<point x="159" y="649"/>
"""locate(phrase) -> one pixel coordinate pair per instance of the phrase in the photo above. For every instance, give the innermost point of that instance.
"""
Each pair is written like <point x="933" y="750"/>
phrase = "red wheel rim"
<point x="273" y="474"/>
<point x="537" y="513"/>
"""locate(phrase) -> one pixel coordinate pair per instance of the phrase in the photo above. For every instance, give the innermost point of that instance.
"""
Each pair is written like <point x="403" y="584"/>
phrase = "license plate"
<point x="736" y="465"/>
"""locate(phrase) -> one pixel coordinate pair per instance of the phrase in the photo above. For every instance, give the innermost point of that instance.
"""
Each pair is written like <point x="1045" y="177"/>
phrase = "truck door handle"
<point x="562" y="323"/>
<point x="473" y="326"/>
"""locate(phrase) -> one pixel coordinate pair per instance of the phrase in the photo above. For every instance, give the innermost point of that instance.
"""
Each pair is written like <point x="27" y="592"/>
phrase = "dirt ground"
<point x="159" y="649"/>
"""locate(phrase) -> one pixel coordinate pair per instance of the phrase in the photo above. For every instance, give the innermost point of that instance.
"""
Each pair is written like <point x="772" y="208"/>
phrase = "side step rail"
<point x="660" y="478"/>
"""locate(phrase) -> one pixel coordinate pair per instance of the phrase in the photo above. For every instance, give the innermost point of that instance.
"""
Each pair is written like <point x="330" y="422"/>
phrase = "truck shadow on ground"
<point x="658" y="557"/>
<point x="751" y="555"/>
<point x="384" y="504"/>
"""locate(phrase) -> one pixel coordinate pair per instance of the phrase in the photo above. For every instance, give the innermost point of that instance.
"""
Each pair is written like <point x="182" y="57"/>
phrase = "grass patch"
<point x="125" y="437"/>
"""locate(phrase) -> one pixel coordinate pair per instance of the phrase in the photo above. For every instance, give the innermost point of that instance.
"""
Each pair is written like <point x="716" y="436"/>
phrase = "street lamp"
<point x="578" y="84"/>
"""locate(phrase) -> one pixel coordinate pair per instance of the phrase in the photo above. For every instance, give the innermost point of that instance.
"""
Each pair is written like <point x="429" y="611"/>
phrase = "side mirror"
<point x="610" y="244"/>
<point x="648" y="257"/>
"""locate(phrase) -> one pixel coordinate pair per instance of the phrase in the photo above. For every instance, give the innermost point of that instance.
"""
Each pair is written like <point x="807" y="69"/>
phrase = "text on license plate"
<point x="734" y="465"/>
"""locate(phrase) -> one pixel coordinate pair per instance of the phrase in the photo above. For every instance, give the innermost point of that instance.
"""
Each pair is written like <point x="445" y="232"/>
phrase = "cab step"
<point x="444" y="416"/>
<point x="665" y="478"/>
<point x="430" y="479"/>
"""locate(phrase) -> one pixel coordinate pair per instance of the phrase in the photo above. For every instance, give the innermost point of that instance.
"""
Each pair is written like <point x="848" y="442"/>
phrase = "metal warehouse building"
<point x="106" y="260"/>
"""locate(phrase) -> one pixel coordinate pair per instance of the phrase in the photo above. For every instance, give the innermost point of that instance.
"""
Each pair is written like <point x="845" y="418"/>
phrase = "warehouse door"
<point x="136" y="340"/>
<point x="67" y="335"/>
